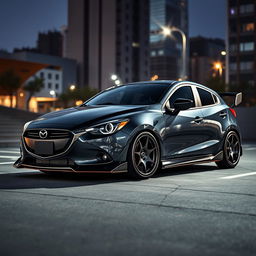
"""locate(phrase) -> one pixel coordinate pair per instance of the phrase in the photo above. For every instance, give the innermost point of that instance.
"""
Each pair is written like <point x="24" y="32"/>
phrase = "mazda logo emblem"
<point x="43" y="134"/>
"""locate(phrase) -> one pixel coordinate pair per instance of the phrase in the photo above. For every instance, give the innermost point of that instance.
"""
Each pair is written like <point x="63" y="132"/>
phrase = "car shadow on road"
<point x="30" y="180"/>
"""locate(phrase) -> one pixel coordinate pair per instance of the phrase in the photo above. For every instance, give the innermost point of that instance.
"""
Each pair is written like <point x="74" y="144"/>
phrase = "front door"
<point x="183" y="134"/>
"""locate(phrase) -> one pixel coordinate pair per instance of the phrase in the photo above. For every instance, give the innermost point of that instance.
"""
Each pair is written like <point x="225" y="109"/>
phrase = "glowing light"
<point x="79" y="102"/>
<point x="52" y="92"/>
<point x="114" y="77"/>
<point x="166" y="31"/>
<point x="21" y="94"/>
<point x="117" y="82"/>
<point x="223" y="53"/>
<point x="72" y="87"/>
<point x="218" y="67"/>
<point x="154" y="77"/>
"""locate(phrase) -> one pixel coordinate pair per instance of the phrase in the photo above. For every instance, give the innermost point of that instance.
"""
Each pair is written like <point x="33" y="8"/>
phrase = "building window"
<point x="248" y="27"/>
<point x="246" y="8"/>
<point x="161" y="52"/>
<point x="246" y="65"/>
<point x="135" y="45"/>
<point x="153" y="53"/>
<point x="57" y="76"/>
<point x="249" y="46"/>
<point x="49" y="85"/>
<point x="57" y="86"/>
<point x="233" y="47"/>
<point x="233" y="66"/>
<point x="232" y="11"/>
<point x="41" y="75"/>
<point x="49" y="76"/>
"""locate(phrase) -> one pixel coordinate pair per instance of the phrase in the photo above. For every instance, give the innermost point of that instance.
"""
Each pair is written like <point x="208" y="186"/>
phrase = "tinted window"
<point x="184" y="92"/>
<point x="140" y="94"/>
<point x="206" y="97"/>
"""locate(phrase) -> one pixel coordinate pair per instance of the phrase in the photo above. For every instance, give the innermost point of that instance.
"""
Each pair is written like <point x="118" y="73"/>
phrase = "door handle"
<point x="198" y="119"/>
<point x="223" y="114"/>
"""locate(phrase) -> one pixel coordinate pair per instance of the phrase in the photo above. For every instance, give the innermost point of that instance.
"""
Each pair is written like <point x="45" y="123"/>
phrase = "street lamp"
<point x="167" y="31"/>
<point x="116" y="80"/>
<point x="72" y="87"/>
<point x="53" y="94"/>
<point x="113" y="77"/>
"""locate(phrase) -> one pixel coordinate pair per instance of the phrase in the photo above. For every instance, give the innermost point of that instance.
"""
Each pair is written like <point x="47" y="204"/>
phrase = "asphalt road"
<point x="193" y="210"/>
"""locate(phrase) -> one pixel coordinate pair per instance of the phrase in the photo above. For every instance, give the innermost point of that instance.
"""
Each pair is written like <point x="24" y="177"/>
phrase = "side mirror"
<point x="182" y="104"/>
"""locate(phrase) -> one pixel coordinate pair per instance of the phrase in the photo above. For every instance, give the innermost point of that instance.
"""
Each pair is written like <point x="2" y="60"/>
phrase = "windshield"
<point x="133" y="94"/>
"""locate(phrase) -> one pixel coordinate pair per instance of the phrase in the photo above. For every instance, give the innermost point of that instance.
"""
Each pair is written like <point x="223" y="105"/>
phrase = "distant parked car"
<point x="139" y="128"/>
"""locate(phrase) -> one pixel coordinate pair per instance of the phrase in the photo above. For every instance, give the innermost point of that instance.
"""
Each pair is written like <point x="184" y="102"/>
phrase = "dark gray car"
<point x="139" y="128"/>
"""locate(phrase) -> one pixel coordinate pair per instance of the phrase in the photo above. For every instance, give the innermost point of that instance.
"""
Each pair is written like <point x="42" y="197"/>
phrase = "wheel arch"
<point x="146" y="128"/>
<point x="237" y="131"/>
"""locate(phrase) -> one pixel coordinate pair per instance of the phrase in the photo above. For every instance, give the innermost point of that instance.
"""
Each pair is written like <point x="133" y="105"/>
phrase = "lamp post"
<point x="167" y="31"/>
<point x="53" y="94"/>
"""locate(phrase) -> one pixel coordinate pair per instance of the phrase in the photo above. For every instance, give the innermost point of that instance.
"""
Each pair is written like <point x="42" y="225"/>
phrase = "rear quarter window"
<point x="206" y="97"/>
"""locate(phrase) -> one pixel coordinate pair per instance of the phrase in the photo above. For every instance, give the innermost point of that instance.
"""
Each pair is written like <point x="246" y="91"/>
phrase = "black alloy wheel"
<point x="231" y="151"/>
<point x="143" y="156"/>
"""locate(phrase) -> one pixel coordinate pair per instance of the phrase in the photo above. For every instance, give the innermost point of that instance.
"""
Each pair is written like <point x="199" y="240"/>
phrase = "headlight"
<point x="26" y="126"/>
<point x="108" y="127"/>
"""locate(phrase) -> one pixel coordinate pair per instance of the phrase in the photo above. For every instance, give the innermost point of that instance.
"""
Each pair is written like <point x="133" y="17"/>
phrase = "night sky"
<point x="21" y="20"/>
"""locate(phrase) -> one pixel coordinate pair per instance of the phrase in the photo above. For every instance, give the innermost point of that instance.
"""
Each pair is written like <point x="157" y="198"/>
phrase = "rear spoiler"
<point x="237" y="97"/>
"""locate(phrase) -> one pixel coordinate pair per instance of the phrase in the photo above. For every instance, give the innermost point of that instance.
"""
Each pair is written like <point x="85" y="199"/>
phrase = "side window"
<point x="184" y="92"/>
<point x="206" y="97"/>
<point x="215" y="98"/>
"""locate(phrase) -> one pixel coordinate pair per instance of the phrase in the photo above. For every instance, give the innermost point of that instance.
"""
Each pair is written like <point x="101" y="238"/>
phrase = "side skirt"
<point x="192" y="160"/>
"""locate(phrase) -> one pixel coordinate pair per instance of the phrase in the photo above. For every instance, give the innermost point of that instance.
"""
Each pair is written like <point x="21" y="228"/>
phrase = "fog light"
<point x="104" y="157"/>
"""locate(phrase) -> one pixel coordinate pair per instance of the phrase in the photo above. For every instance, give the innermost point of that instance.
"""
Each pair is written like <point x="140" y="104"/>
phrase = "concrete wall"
<point x="247" y="121"/>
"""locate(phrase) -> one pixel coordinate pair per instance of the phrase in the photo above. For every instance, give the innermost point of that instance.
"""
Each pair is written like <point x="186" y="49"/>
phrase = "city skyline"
<point x="47" y="15"/>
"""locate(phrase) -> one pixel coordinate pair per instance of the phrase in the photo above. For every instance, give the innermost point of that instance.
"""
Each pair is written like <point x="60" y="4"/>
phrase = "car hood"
<point x="80" y="117"/>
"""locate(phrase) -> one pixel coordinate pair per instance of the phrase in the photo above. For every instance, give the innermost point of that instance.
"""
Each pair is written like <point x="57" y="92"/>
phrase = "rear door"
<point x="214" y="117"/>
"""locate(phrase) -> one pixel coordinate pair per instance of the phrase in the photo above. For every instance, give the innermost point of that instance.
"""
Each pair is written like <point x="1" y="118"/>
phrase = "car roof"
<point x="167" y="82"/>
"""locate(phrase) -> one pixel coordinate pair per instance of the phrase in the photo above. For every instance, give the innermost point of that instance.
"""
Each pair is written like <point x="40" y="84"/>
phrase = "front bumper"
<point x="101" y="155"/>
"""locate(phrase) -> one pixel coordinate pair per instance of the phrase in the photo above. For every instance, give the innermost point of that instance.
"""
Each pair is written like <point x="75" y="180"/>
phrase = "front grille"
<point x="51" y="134"/>
<point x="53" y="142"/>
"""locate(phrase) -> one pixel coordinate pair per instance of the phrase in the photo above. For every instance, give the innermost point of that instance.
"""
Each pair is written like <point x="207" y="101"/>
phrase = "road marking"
<point x="12" y="152"/>
<point x="238" y="176"/>
<point x="6" y="163"/>
<point x="248" y="149"/>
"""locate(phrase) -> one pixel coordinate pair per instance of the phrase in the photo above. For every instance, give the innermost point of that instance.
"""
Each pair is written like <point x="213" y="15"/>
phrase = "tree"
<point x="33" y="87"/>
<point x="77" y="94"/>
<point x="10" y="82"/>
<point x="216" y="83"/>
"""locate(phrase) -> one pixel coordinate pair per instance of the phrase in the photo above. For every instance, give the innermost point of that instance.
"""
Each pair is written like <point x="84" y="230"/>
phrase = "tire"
<point x="231" y="151"/>
<point x="143" y="156"/>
